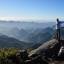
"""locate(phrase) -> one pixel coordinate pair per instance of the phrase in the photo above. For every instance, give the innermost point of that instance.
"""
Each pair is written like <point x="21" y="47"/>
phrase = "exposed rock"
<point x="43" y="47"/>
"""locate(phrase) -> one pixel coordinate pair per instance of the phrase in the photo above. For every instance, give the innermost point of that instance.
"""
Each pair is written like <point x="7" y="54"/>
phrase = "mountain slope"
<point x="25" y="31"/>
<point x="41" y="35"/>
<point x="6" y="42"/>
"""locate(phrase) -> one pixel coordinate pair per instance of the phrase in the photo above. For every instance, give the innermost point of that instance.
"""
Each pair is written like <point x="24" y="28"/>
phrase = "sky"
<point x="31" y="9"/>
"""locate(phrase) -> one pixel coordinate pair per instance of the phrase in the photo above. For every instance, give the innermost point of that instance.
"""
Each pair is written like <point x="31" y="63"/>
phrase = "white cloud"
<point x="19" y="18"/>
<point x="26" y="18"/>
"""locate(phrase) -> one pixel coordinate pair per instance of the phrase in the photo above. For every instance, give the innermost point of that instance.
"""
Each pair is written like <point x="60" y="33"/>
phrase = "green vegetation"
<point x="14" y="56"/>
<point x="5" y="52"/>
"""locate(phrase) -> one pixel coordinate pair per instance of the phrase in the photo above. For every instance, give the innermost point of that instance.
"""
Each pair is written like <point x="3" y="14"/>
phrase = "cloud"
<point x="19" y="18"/>
<point x="26" y="18"/>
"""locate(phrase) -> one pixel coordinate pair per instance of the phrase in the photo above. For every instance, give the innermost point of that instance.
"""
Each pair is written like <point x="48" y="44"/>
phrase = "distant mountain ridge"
<point x="7" y="42"/>
<point x="23" y="30"/>
<point x="29" y="33"/>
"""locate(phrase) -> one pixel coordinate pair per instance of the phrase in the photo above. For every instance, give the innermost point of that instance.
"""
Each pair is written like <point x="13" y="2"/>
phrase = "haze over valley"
<point x="31" y="33"/>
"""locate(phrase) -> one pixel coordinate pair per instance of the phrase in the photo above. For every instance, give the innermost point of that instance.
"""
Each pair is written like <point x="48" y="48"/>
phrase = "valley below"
<point x="28" y="43"/>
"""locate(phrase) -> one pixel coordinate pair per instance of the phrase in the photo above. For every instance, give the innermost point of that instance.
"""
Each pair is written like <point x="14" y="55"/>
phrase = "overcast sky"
<point x="31" y="9"/>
